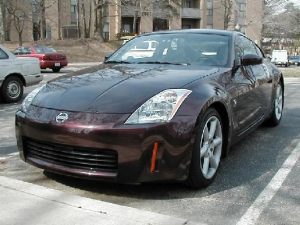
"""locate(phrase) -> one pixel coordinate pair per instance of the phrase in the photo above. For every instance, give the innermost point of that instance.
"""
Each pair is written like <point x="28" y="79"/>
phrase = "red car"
<point x="48" y="57"/>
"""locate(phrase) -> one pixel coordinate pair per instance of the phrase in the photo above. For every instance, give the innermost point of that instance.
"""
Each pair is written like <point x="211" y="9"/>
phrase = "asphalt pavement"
<point x="258" y="183"/>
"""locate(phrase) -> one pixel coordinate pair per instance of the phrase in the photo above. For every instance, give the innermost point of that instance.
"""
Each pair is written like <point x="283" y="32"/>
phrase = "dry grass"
<point x="87" y="50"/>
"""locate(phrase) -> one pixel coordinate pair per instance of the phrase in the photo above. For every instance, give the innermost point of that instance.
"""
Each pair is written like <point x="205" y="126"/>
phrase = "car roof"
<point x="197" y="31"/>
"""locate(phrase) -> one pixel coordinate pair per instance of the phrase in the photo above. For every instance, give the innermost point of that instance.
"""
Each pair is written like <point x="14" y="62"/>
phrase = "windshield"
<point x="44" y="49"/>
<point x="188" y="49"/>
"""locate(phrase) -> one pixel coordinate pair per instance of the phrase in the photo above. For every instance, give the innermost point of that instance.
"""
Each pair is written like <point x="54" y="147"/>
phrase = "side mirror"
<point x="107" y="56"/>
<point x="250" y="59"/>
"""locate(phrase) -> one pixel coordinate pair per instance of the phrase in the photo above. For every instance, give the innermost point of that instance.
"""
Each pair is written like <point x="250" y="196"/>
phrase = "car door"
<point x="263" y="82"/>
<point x="246" y="106"/>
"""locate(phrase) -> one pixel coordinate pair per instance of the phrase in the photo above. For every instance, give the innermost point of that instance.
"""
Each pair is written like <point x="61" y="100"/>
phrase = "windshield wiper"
<point x="166" y="63"/>
<point x="119" y="62"/>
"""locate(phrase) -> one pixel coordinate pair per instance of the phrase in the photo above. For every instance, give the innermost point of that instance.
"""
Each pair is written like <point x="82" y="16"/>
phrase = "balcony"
<point x="190" y="13"/>
<point x="128" y="10"/>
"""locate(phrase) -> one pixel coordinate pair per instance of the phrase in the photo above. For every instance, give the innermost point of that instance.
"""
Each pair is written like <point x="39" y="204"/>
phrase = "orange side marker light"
<point x="154" y="157"/>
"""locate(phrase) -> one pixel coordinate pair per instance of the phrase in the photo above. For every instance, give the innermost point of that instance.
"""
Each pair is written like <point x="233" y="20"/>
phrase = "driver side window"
<point x="244" y="46"/>
<point x="3" y="55"/>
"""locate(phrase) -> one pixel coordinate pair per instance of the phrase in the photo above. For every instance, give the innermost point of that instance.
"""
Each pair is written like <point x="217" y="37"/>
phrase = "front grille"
<point x="89" y="159"/>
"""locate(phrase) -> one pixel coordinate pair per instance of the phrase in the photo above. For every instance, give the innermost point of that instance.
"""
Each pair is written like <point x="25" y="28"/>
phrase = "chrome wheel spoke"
<point x="205" y="165"/>
<point x="205" y="134"/>
<point x="278" y="102"/>
<point x="203" y="151"/>
<point x="212" y="129"/>
<point x="217" y="141"/>
<point x="213" y="162"/>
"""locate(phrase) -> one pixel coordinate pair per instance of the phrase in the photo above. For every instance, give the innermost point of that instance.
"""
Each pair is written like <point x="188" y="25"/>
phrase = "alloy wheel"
<point x="278" y="102"/>
<point x="211" y="147"/>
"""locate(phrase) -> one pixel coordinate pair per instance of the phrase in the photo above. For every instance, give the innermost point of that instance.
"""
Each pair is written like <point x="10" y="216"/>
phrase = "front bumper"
<point x="133" y="144"/>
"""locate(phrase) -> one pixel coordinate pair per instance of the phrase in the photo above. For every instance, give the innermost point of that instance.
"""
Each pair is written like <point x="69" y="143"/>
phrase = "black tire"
<point x="197" y="179"/>
<point x="274" y="120"/>
<point x="12" y="89"/>
<point x="56" y="69"/>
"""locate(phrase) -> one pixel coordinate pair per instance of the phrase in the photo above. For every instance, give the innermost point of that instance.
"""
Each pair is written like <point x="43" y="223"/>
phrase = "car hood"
<point x="115" y="88"/>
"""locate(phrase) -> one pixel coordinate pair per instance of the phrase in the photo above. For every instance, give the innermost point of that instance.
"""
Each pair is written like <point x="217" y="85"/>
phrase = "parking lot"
<point x="258" y="182"/>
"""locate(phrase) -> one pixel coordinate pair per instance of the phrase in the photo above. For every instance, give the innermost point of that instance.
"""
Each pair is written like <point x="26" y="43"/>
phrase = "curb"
<point x="27" y="203"/>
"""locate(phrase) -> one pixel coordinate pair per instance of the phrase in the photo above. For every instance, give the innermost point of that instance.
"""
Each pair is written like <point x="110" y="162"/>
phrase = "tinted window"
<point x="22" y="51"/>
<point x="26" y="51"/>
<point x="244" y="46"/>
<point x="195" y="49"/>
<point x="43" y="49"/>
<point x="3" y="55"/>
<point x="259" y="52"/>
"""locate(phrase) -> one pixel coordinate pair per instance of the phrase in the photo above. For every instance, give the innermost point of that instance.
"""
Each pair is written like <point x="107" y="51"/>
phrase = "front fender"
<point x="206" y="94"/>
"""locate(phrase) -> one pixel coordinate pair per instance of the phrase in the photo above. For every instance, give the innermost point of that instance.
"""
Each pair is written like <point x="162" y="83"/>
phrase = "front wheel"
<point x="276" y="114"/>
<point x="12" y="89"/>
<point x="207" y="151"/>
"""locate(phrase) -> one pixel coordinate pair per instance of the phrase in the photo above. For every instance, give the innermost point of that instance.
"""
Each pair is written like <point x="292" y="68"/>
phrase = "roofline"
<point x="196" y="31"/>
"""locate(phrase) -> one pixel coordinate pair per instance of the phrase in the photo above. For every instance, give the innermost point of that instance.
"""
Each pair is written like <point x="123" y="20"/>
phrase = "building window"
<point x="242" y="7"/>
<point x="73" y="9"/>
<point x="209" y="4"/>
<point x="73" y="12"/>
<point x="209" y="12"/>
<point x="187" y="4"/>
<point x="242" y="14"/>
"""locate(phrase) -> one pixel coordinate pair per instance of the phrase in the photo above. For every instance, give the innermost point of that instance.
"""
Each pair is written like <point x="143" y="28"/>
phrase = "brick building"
<point x="152" y="15"/>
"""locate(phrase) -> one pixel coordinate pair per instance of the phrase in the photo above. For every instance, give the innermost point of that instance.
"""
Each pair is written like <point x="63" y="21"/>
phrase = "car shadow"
<point x="65" y="70"/>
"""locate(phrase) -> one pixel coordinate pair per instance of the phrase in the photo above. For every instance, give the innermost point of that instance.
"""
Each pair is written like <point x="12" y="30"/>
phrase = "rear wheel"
<point x="276" y="115"/>
<point x="207" y="151"/>
<point x="56" y="69"/>
<point x="12" y="89"/>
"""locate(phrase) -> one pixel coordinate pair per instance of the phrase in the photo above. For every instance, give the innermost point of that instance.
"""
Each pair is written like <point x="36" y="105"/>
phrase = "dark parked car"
<point x="294" y="60"/>
<point x="48" y="57"/>
<point x="169" y="116"/>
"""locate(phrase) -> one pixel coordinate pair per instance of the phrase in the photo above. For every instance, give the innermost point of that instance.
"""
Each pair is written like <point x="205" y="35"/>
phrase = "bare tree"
<point x="59" y="19"/>
<point x="19" y="15"/>
<point x="87" y="17"/>
<point x="98" y="7"/>
<point x="281" y="23"/>
<point x="78" y="18"/>
<point x="228" y="13"/>
<point x="1" y="22"/>
<point x="6" y="19"/>
<point x="39" y="19"/>
<point x="168" y="9"/>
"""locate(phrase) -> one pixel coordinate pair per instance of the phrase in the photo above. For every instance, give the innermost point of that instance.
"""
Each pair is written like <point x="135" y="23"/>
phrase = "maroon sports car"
<point x="165" y="117"/>
<point x="48" y="57"/>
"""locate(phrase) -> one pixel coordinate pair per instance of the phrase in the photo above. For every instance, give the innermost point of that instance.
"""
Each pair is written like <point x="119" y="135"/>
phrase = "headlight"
<point x="27" y="101"/>
<point x="160" y="108"/>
